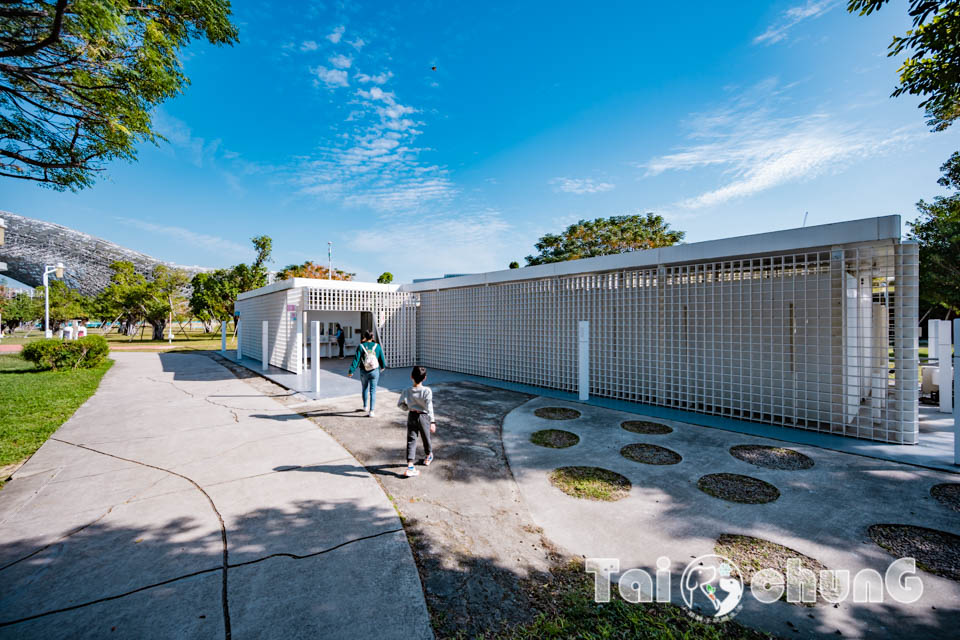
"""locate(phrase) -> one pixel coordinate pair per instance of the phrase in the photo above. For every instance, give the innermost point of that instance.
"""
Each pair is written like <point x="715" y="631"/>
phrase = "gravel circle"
<point x="650" y="454"/>
<point x="947" y="494"/>
<point x="734" y="487"/>
<point x="557" y="413"/>
<point x="771" y="457"/>
<point x="646" y="427"/>
<point x="554" y="438"/>
<point x="753" y="554"/>
<point x="936" y="552"/>
<point x="591" y="483"/>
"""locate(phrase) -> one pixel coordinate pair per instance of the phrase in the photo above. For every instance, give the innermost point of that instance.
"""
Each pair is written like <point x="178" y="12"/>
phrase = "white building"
<point x="812" y="328"/>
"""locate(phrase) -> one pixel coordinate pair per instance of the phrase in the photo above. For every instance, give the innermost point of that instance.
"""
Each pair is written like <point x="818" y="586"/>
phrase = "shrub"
<point x="67" y="354"/>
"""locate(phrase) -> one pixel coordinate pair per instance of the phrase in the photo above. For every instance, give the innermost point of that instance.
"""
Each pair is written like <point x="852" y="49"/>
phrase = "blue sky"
<point x="327" y="123"/>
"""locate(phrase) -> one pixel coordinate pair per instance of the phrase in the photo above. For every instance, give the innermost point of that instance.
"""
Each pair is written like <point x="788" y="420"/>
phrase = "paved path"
<point x="823" y="512"/>
<point x="164" y="508"/>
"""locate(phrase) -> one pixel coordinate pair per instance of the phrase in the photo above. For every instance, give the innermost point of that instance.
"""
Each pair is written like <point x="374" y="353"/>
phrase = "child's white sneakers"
<point x="428" y="460"/>
<point x="411" y="471"/>
<point x="371" y="414"/>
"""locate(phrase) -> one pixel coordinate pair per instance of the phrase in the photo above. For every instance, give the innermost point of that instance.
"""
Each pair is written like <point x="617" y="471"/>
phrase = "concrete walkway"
<point x="822" y="512"/>
<point x="163" y="508"/>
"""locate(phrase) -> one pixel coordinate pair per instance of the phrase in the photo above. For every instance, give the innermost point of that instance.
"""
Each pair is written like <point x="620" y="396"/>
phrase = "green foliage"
<point x="932" y="66"/>
<point x="20" y="309"/>
<point x="215" y="292"/>
<point x="65" y="304"/>
<point x="605" y="236"/>
<point x="937" y="231"/>
<point x="134" y="298"/>
<point x="79" y="79"/>
<point x="385" y="278"/>
<point x="85" y="353"/>
<point x="514" y="265"/>
<point x="309" y="269"/>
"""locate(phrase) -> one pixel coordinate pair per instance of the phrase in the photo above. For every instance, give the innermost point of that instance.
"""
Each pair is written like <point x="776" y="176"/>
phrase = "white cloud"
<point x="758" y="151"/>
<point x="337" y="34"/>
<point x="207" y="242"/>
<point x="309" y="45"/>
<point x="341" y="61"/>
<point x="793" y="16"/>
<point x="380" y="78"/>
<point x="581" y="186"/>
<point x="357" y="44"/>
<point x="332" y="78"/>
<point x="180" y="135"/>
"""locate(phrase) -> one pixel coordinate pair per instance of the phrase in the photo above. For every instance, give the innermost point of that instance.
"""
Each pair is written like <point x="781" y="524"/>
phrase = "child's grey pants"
<point x="418" y="424"/>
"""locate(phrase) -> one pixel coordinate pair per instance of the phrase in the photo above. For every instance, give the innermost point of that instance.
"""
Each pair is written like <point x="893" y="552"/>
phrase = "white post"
<point x="315" y="356"/>
<point x="223" y="337"/>
<point x="46" y="304"/>
<point x="237" y="332"/>
<point x="583" y="359"/>
<point x="265" y="342"/>
<point x="956" y="390"/>
<point x="945" y="362"/>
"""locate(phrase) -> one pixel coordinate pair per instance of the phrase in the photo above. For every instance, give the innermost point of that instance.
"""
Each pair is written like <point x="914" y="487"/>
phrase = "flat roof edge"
<point x="836" y="233"/>
<point x="296" y="283"/>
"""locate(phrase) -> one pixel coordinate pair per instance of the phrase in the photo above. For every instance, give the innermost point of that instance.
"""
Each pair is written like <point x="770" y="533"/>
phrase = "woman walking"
<point x="369" y="359"/>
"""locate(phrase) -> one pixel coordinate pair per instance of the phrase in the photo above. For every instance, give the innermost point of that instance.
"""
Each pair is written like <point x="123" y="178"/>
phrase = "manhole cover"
<point x="646" y="427"/>
<point x="557" y="413"/>
<point x="936" y="552"/>
<point x="737" y="488"/>
<point x="650" y="454"/>
<point x="771" y="457"/>
<point x="947" y="494"/>
<point x="554" y="438"/>
<point x="591" y="483"/>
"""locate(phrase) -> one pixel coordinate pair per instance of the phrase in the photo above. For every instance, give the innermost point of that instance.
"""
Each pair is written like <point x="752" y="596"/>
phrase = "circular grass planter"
<point x="936" y="552"/>
<point x="557" y="413"/>
<point x="554" y="438"/>
<point x="591" y="483"/>
<point x="734" y="487"/>
<point x="751" y="555"/>
<point x="771" y="457"/>
<point x="645" y="427"/>
<point x="650" y="454"/>
<point x="947" y="494"/>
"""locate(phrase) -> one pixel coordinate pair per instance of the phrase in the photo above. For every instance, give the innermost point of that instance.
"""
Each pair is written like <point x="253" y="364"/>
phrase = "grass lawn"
<point x="33" y="404"/>
<point x="190" y="340"/>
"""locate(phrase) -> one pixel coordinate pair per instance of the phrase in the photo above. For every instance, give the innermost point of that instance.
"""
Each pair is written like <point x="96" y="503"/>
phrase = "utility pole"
<point x="329" y="260"/>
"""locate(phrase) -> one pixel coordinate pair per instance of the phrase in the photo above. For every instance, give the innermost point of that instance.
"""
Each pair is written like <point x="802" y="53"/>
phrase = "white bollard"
<point x="315" y="356"/>
<point x="945" y="362"/>
<point x="237" y="331"/>
<point x="956" y="391"/>
<point x="265" y="341"/>
<point x="223" y="338"/>
<point x="583" y="359"/>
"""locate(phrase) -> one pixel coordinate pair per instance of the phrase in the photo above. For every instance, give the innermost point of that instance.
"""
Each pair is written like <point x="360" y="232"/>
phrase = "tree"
<point x="79" y="79"/>
<point x="19" y="309"/>
<point x="163" y="297"/>
<point x="514" y="265"/>
<point x="932" y="66"/>
<point x="605" y="236"/>
<point x="214" y="294"/>
<point x="120" y="300"/>
<point x="937" y="232"/>
<point x="385" y="278"/>
<point x="135" y="298"/>
<point x="254" y="276"/>
<point x="310" y="270"/>
<point x="65" y="304"/>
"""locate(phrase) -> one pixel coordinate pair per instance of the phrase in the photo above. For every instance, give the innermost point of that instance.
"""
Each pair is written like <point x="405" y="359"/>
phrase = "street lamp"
<point x="57" y="270"/>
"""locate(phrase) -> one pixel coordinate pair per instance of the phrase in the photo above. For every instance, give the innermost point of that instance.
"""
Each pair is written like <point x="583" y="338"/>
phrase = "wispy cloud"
<point x="758" y="151"/>
<point x="357" y="44"/>
<point x="581" y="186"/>
<point x="331" y="78"/>
<point x="309" y="45"/>
<point x="198" y="149"/>
<point x="792" y="17"/>
<point x="341" y="61"/>
<point x="380" y="78"/>
<point x="206" y="242"/>
<point x="337" y="33"/>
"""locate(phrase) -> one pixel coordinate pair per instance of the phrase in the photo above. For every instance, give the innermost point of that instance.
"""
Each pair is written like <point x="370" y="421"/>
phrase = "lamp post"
<point x="329" y="260"/>
<point x="56" y="269"/>
<point x="3" y="265"/>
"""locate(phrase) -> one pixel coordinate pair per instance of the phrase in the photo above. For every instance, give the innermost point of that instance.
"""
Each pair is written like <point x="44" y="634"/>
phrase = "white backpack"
<point x="370" y="361"/>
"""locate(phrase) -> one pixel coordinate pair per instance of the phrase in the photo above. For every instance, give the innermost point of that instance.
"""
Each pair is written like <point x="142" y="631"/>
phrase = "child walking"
<point x="418" y="402"/>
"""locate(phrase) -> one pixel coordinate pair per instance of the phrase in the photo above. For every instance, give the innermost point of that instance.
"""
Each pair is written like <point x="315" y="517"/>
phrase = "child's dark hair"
<point x="367" y="335"/>
<point x="419" y="374"/>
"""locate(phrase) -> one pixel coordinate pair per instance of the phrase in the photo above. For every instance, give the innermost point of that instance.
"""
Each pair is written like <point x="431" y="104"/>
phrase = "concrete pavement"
<point x="164" y="508"/>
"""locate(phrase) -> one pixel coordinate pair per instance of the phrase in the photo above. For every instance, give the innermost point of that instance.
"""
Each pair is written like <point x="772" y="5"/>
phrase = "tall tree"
<point x="163" y="297"/>
<point x="79" y="79"/>
<point x="65" y="304"/>
<point x="213" y="296"/>
<point x="937" y="231"/>
<point x="605" y="236"/>
<point x="931" y="68"/>
<point x="120" y="300"/>
<point x="19" y="309"/>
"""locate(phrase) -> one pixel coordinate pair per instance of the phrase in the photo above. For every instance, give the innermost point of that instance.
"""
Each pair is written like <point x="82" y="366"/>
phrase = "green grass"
<point x="191" y="340"/>
<point x="591" y="483"/>
<point x="554" y="438"/>
<point x="35" y="403"/>
<point x="569" y="611"/>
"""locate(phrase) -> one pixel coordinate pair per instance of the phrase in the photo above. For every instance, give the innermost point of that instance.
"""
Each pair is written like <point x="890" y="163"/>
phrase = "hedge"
<point x="84" y="353"/>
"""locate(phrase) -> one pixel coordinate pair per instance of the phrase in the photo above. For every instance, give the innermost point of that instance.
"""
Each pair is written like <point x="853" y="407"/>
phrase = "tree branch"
<point x="46" y="42"/>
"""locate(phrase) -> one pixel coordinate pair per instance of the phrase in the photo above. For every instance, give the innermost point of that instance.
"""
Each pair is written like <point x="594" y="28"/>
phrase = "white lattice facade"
<point x="819" y="332"/>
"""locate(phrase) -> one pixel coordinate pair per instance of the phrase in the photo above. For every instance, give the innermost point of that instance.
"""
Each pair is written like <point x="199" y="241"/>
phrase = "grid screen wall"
<point x="823" y="340"/>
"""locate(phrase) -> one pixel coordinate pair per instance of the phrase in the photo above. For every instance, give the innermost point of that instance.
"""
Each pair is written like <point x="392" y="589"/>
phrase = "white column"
<point x="945" y="367"/>
<point x="315" y="356"/>
<point x="956" y="391"/>
<point x="223" y="337"/>
<point x="583" y="359"/>
<point x="265" y="342"/>
<point x="237" y="331"/>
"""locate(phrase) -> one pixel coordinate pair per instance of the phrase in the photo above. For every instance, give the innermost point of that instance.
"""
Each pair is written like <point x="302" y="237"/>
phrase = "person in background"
<point x="370" y="360"/>
<point x="340" y="339"/>
<point x="417" y="401"/>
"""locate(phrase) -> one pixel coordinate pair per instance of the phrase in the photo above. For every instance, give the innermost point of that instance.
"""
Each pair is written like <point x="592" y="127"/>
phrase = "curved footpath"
<point x="162" y="508"/>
